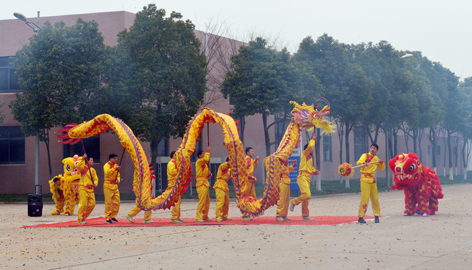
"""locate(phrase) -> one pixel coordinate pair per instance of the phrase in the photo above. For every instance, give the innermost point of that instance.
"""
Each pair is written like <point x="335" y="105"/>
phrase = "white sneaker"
<point x="67" y="214"/>
<point x="82" y="222"/>
<point x="280" y="219"/>
<point x="176" y="221"/>
<point x="208" y="219"/>
<point x="246" y="218"/>
<point x="219" y="219"/>
<point x="307" y="218"/>
<point x="292" y="206"/>
<point x="128" y="217"/>
<point x="148" y="221"/>
<point x="199" y="220"/>
<point x="286" y="218"/>
<point x="228" y="218"/>
<point x="181" y="220"/>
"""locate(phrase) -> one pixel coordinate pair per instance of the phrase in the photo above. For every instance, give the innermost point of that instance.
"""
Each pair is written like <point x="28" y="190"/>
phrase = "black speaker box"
<point x="35" y="203"/>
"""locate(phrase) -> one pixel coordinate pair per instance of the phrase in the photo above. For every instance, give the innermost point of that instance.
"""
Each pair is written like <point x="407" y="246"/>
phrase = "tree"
<point x="264" y="81"/>
<point x="167" y="74"/>
<point x="59" y="72"/>
<point x="466" y="128"/>
<point x="344" y="82"/>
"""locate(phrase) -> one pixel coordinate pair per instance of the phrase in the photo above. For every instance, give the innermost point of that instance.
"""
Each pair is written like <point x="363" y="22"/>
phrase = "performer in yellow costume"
<point x="111" y="171"/>
<point x="71" y="183"/>
<point x="222" y="191"/>
<point x="284" y="200"/>
<point x="88" y="182"/>
<point x="56" y="186"/>
<point x="368" y="183"/>
<point x="172" y="174"/>
<point x="203" y="186"/>
<point x="305" y="172"/>
<point x="251" y="170"/>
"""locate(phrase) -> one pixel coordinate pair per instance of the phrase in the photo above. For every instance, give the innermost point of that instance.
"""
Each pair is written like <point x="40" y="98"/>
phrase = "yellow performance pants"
<point x="86" y="204"/>
<point x="284" y="200"/>
<point x="252" y="190"/>
<point x="72" y="197"/>
<point x="304" y="184"/>
<point x="203" y="202"/>
<point x="176" y="209"/>
<point x="222" y="203"/>
<point x="136" y="210"/>
<point x="369" y="191"/>
<point x="60" y="206"/>
<point x="112" y="203"/>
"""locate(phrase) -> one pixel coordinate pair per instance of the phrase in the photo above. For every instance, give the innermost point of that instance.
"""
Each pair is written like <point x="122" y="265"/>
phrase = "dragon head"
<point x="406" y="168"/>
<point x="308" y="117"/>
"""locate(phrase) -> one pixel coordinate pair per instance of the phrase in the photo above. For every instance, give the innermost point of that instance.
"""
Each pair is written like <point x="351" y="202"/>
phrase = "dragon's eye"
<point x="412" y="167"/>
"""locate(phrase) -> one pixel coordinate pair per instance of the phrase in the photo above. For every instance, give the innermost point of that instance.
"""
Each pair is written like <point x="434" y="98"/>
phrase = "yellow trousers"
<point x="222" y="203"/>
<point x="304" y="184"/>
<point x="112" y="203"/>
<point x="86" y="204"/>
<point x="176" y="209"/>
<point x="369" y="191"/>
<point x="284" y="200"/>
<point x="136" y="210"/>
<point x="203" y="202"/>
<point x="72" y="197"/>
<point x="252" y="190"/>
<point x="60" y="206"/>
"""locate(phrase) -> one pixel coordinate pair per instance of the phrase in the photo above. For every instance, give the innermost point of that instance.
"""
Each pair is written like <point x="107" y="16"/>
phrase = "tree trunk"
<point x="346" y="137"/>
<point x="242" y="121"/>
<point x="266" y="134"/>
<point x="46" y="142"/>
<point x="432" y="140"/>
<point x="451" y="170"/>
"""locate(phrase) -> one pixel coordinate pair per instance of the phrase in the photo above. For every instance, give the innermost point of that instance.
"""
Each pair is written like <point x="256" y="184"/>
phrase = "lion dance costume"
<point x="304" y="118"/>
<point x="71" y="183"/>
<point x="57" y="194"/>
<point x="421" y="185"/>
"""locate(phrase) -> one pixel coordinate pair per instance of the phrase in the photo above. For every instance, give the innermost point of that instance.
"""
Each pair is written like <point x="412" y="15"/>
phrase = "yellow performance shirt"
<point x="86" y="182"/>
<point x="306" y="161"/>
<point x="172" y="173"/>
<point x="111" y="173"/>
<point x="202" y="171"/>
<point x="222" y="177"/>
<point x="251" y="165"/>
<point x="286" y="173"/>
<point x="368" y="172"/>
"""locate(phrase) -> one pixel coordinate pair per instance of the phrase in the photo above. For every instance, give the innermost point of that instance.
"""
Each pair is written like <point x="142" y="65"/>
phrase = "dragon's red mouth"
<point x="403" y="177"/>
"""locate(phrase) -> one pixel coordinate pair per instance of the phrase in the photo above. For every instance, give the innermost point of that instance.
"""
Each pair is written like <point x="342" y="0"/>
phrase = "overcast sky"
<point x="437" y="28"/>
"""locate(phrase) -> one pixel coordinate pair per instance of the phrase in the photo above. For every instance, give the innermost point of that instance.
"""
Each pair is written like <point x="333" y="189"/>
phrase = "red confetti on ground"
<point x="161" y="222"/>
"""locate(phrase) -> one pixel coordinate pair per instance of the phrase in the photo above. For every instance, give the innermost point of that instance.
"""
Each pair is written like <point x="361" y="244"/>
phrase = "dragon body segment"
<point x="305" y="118"/>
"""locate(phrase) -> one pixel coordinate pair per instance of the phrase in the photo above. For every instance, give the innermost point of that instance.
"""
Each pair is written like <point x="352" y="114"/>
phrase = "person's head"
<point x="172" y="154"/>
<point x="57" y="181"/>
<point x="373" y="149"/>
<point x="201" y="154"/>
<point x="227" y="159"/>
<point x="89" y="161"/>
<point x="113" y="158"/>
<point x="250" y="151"/>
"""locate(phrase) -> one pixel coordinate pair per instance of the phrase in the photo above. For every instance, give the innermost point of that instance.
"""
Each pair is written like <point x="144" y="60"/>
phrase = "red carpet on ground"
<point x="161" y="222"/>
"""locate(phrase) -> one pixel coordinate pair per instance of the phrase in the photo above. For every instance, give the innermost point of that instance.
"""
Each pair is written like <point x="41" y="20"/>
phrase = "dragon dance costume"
<point x="172" y="174"/>
<point x="110" y="190"/>
<point x="203" y="187"/>
<point x="369" y="185"/>
<point x="222" y="191"/>
<point x="86" y="190"/>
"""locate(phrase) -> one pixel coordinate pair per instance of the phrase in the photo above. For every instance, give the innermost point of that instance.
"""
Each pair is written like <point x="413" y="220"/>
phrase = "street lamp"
<point x="36" y="152"/>
<point x="23" y="18"/>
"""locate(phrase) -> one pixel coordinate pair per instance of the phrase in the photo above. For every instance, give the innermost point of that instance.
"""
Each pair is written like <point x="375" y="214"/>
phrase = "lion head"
<point x="406" y="168"/>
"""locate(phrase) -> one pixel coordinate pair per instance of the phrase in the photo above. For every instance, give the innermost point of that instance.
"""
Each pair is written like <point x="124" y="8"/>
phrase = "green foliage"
<point x="264" y="81"/>
<point x="166" y="72"/>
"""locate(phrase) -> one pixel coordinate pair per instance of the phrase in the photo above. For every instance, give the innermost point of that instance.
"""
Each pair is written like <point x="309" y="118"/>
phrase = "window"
<point x="91" y="145"/>
<point x="12" y="145"/>
<point x="8" y="77"/>
<point x="162" y="148"/>
<point x="360" y="142"/>
<point x="327" y="148"/>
